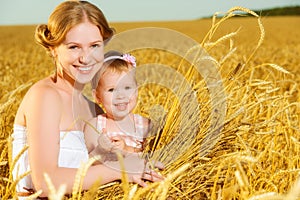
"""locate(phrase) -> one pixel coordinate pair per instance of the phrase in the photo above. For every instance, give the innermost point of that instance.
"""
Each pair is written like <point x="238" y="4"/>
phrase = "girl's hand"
<point x="118" y="143"/>
<point x="121" y="146"/>
<point x="105" y="148"/>
<point x="111" y="144"/>
<point x="104" y="143"/>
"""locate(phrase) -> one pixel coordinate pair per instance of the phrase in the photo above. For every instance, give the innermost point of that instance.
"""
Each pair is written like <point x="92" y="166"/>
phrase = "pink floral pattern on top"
<point x="131" y="139"/>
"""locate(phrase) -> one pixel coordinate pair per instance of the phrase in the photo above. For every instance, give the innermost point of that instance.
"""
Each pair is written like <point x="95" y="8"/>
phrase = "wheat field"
<point x="255" y="154"/>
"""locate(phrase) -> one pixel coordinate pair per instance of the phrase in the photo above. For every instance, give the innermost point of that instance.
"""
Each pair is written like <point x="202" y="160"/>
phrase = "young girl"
<point x="116" y="91"/>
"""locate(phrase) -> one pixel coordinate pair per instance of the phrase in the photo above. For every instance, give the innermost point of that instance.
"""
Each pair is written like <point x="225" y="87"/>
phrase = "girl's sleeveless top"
<point x="131" y="139"/>
<point x="72" y="153"/>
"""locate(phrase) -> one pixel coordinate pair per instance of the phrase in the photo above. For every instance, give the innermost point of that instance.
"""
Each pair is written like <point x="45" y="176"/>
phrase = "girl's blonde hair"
<point x="115" y="65"/>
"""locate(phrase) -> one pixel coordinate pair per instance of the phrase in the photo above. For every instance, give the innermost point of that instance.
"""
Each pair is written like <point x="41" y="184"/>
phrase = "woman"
<point x="51" y="117"/>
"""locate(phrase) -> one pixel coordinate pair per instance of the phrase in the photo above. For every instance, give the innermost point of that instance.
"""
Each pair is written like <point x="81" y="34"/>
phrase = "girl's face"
<point x="81" y="54"/>
<point x="117" y="92"/>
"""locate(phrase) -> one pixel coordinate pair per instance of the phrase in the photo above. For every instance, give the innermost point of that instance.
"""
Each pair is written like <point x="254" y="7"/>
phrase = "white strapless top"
<point x="72" y="153"/>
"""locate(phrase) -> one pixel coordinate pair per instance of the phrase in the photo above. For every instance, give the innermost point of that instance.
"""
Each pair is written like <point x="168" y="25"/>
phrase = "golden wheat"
<point x="257" y="154"/>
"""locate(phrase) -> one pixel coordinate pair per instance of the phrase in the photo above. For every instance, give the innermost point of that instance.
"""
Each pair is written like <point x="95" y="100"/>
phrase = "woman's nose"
<point x="84" y="57"/>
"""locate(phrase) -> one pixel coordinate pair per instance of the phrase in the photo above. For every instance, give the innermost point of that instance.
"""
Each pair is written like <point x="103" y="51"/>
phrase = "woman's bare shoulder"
<point x="40" y="96"/>
<point x="40" y="93"/>
<point x="43" y="87"/>
<point x="46" y="82"/>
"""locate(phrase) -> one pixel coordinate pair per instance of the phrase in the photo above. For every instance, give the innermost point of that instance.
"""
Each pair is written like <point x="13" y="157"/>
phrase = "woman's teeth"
<point x="85" y="68"/>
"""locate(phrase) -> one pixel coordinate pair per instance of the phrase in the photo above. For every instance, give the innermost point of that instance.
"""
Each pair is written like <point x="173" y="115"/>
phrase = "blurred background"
<point x="20" y="12"/>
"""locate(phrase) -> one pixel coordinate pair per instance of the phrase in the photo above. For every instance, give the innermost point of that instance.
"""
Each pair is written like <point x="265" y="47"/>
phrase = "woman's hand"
<point x="137" y="168"/>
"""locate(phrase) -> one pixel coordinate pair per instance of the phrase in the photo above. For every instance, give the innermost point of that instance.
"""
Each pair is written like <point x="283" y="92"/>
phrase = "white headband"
<point x="126" y="57"/>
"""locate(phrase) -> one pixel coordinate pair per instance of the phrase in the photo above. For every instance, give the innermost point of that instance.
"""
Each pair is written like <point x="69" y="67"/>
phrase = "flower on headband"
<point x="129" y="58"/>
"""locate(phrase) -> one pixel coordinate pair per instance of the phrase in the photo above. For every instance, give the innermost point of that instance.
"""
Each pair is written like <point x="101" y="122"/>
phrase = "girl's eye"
<point x="110" y="90"/>
<point x="127" y="87"/>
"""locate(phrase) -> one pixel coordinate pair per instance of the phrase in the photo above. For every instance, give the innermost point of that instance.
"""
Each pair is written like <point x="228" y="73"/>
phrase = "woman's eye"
<point x="95" y="45"/>
<point x="127" y="88"/>
<point x="110" y="90"/>
<point x="73" y="47"/>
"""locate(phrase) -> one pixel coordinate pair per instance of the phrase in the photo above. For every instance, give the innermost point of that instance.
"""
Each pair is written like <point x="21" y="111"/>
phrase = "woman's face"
<point x="81" y="54"/>
<point x="117" y="92"/>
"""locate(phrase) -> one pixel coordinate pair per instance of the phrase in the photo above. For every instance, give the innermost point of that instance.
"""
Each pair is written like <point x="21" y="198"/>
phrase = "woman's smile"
<point x="84" y="69"/>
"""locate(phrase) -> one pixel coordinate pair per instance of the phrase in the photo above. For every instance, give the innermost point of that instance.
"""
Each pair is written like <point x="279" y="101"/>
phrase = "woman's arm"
<point x="43" y="113"/>
<point x="90" y="134"/>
